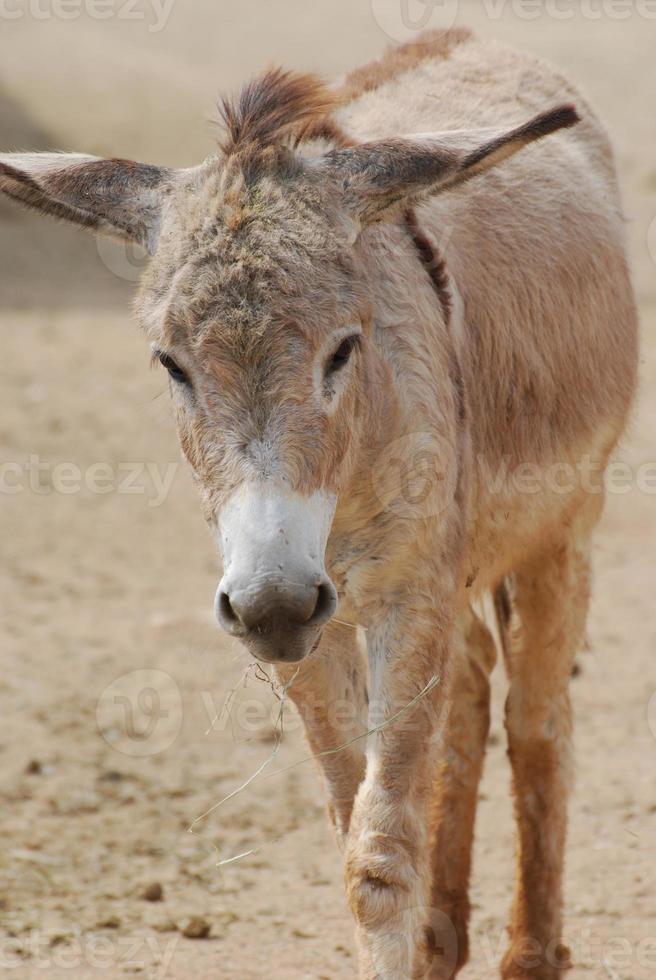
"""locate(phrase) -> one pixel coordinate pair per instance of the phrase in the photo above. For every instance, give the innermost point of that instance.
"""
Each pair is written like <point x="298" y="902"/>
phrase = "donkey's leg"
<point x="551" y="600"/>
<point x="456" y="795"/>
<point x="329" y="690"/>
<point x="386" y="858"/>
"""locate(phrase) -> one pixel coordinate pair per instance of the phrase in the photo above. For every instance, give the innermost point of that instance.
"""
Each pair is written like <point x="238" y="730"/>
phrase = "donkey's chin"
<point x="289" y="648"/>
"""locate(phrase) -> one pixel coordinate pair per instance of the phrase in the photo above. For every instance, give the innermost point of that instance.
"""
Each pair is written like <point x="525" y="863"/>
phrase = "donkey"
<point x="373" y="340"/>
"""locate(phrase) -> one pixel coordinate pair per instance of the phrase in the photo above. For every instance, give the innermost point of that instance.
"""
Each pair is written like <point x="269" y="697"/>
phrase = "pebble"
<point x="109" y="922"/>
<point x="153" y="892"/>
<point x="196" y="928"/>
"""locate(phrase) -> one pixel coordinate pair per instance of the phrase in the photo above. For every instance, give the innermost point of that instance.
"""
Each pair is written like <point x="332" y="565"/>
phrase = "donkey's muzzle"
<point x="275" y="594"/>
<point x="279" y="621"/>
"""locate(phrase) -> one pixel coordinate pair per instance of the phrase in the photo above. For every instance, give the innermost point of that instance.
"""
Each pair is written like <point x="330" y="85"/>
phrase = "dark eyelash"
<point x="175" y="371"/>
<point x="342" y="354"/>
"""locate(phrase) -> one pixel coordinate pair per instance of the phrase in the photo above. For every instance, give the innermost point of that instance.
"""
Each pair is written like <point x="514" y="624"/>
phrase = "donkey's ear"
<point x="380" y="175"/>
<point x="117" y="197"/>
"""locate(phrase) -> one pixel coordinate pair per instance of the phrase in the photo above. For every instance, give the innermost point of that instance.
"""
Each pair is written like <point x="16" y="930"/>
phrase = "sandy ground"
<point x="107" y="570"/>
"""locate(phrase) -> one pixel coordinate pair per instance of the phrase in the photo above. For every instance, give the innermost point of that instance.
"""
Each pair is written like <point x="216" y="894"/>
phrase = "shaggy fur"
<point x="464" y="440"/>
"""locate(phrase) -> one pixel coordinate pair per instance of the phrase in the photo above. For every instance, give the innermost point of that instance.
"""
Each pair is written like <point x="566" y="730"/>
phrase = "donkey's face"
<point x="256" y="304"/>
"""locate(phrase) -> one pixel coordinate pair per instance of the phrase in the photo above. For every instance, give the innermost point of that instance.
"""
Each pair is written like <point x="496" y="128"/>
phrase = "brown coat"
<point x="398" y="379"/>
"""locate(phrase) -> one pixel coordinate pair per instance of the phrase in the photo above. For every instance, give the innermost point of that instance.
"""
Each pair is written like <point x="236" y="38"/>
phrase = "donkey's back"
<point x="544" y="316"/>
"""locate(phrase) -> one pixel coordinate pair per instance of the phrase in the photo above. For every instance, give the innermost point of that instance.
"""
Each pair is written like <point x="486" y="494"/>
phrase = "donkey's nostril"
<point x="325" y="605"/>
<point x="226" y="613"/>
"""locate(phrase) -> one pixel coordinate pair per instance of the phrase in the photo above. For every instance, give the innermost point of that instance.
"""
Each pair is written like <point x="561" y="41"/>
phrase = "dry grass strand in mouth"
<point x="353" y="626"/>
<point x="371" y="731"/>
<point x="253" y="667"/>
<point x="279" y="727"/>
<point x="261" y="674"/>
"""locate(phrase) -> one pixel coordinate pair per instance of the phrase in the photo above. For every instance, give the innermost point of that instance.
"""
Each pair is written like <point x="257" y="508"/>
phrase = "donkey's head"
<point x="256" y="304"/>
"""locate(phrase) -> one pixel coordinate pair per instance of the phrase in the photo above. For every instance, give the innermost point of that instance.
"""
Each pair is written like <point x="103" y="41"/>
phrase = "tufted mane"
<point x="275" y="107"/>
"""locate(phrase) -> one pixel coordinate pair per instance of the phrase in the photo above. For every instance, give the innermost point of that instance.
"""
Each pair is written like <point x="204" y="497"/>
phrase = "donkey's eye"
<point x="342" y="354"/>
<point x="174" y="370"/>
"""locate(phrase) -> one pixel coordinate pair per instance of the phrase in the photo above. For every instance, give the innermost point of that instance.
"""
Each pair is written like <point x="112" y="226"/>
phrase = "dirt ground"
<point x="107" y="568"/>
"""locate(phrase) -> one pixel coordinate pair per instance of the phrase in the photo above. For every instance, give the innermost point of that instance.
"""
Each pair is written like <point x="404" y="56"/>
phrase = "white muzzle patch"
<point x="275" y="593"/>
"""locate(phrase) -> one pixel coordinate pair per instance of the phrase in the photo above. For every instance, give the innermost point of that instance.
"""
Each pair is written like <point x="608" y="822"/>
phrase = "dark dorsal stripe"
<point x="432" y="260"/>
<point x="435" y="265"/>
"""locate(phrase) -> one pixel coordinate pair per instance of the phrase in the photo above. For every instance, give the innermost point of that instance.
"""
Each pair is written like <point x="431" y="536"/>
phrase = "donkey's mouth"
<point x="288" y="647"/>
